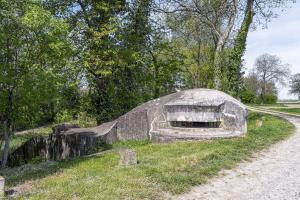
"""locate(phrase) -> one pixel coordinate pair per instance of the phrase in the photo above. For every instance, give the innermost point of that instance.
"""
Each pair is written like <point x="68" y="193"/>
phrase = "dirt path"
<point x="274" y="174"/>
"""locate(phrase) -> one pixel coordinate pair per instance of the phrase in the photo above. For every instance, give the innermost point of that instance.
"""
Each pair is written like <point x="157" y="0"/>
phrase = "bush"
<point x="63" y="116"/>
<point x="270" y="99"/>
<point x="85" y="120"/>
<point x="248" y="97"/>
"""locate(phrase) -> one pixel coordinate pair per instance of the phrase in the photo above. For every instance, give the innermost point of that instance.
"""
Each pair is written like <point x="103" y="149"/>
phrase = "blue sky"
<point x="281" y="38"/>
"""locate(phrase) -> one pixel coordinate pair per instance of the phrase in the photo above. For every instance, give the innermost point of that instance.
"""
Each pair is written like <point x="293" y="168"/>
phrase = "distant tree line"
<point x="260" y="85"/>
<point x="295" y="85"/>
<point x="62" y="58"/>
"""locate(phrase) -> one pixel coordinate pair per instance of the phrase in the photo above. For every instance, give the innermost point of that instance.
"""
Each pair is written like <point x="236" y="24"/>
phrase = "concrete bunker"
<point x="193" y="116"/>
<point x="186" y="115"/>
<point x="186" y="124"/>
<point x="199" y="114"/>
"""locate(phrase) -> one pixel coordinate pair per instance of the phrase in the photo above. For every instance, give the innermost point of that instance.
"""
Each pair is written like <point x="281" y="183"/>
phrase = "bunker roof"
<point x="202" y="97"/>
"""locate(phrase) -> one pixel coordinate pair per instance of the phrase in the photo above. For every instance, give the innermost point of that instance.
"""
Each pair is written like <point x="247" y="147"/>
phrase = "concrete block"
<point x="259" y="123"/>
<point x="2" y="184"/>
<point x="128" y="157"/>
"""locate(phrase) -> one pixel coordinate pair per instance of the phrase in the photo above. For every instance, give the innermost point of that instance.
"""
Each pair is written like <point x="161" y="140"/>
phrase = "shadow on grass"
<point x="37" y="169"/>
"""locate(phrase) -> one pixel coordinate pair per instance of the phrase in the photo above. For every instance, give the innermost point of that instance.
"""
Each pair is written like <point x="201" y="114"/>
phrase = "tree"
<point x="195" y="50"/>
<point x="134" y="38"/>
<point x="94" y="27"/>
<point x="252" y="83"/>
<point x="270" y="69"/>
<point x="263" y="10"/>
<point x="124" y="53"/>
<point x="34" y="52"/>
<point x="251" y="88"/>
<point x="218" y="18"/>
<point x="251" y="91"/>
<point x="227" y="24"/>
<point x="234" y="70"/>
<point x="152" y="56"/>
<point x="295" y="85"/>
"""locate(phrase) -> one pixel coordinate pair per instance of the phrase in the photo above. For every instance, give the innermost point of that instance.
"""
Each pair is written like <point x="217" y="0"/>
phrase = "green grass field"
<point x="288" y="110"/>
<point x="172" y="167"/>
<point x="268" y="105"/>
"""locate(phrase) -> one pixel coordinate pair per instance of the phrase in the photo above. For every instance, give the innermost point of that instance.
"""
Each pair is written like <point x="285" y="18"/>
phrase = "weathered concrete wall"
<point x="189" y="113"/>
<point x="133" y="126"/>
<point x="195" y="105"/>
<point x="138" y="123"/>
<point x="235" y="117"/>
<point x="32" y="148"/>
<point x="61" y="147"/>
<point x="65" y="144"/>
<point x="63" y="127"/>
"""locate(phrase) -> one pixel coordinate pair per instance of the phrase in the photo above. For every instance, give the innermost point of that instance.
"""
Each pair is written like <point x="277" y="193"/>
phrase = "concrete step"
<point x="176" y="133"/>
<point x="184" y="130"/>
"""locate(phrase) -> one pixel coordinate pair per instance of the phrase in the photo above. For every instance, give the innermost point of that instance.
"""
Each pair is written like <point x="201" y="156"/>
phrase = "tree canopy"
<point x="101" y="58"/>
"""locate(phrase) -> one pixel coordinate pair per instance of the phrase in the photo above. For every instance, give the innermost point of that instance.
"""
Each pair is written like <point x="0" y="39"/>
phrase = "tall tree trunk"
<point x="222" y="40"/>
<point x="156" y="89"/>
<point x="235" y="74"/>
<point x="6" y="145"/>
<point x="156" y="83"/>
<point x="263" y="92"/>
<point x="8" y="127"/>
<point x="102" y="103"/>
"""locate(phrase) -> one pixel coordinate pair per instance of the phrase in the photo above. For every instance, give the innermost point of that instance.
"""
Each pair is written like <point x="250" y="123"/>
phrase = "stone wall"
<point x="65" y="144"/>
<point x="32" y="148"/>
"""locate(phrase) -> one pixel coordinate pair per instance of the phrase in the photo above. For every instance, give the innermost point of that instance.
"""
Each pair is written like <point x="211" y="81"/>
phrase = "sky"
<point x="281" y="38"/>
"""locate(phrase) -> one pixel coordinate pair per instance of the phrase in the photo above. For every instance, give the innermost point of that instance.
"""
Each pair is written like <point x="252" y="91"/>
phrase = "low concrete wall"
<point x="59" y="146"/>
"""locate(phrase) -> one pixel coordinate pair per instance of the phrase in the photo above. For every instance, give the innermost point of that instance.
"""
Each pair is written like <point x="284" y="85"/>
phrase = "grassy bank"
<point x="173" y="167"/>
<point x="288" y="110"/>
<point x="268" y="105"/>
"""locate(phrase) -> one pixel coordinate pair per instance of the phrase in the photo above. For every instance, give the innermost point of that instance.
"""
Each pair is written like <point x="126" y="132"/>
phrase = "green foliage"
<point x="295" y="85"/>
<point x="63" y="116"/>
<point x="253" y="91"/>
<point x="36" y="49"/>
<point x="173" y="167"/>
<point x="235" y="66"/>
<point x="34" y="52"/>
<point x="248" y="97"/>
<point x="85" y="120"/>
<point x="270" y="99"/>
<point x="197" y="66"/>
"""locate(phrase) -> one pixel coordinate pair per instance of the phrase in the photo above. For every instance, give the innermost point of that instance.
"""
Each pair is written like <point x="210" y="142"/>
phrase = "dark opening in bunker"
<point x="195" y="124"/>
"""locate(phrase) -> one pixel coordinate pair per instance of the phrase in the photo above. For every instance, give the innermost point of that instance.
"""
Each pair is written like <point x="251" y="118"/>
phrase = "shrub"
<point x="248" y="97"/>
<point x="63" y="116"/>
<point x="270" y="99"/>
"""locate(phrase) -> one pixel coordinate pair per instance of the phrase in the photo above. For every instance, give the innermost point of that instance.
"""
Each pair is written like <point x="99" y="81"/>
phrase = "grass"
<point x="268" y="105"/>
<point x="288" y="110"/>
<point x="292" y="110"/>
<point x="172" y="167"/>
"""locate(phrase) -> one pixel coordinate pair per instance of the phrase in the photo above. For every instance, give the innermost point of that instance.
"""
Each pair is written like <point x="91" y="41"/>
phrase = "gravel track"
<point x="273" y="174"/>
